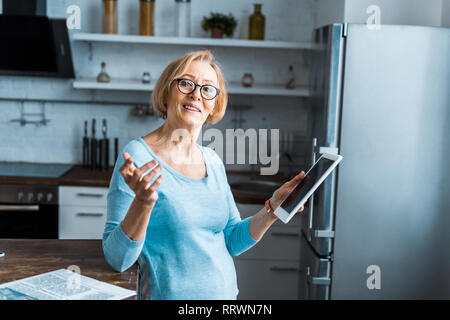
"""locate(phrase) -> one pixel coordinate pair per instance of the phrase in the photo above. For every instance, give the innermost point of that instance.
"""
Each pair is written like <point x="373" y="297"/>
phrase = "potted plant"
<point x="219" y="24"/>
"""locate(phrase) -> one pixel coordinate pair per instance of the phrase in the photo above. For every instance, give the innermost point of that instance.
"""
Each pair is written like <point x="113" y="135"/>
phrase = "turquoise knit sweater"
<point x="194" y="230"/>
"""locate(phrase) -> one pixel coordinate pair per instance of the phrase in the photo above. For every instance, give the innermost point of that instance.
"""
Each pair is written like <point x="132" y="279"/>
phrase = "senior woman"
<point x="183" y="226"/>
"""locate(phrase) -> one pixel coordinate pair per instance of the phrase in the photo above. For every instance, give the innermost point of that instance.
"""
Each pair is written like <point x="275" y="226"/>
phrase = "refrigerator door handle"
<point x="311" y="199"/>
<point x="328" y="150"/>
<point x="323" y="233"/>
<point x="319" y="281"/>
<point x="311" y="232"/>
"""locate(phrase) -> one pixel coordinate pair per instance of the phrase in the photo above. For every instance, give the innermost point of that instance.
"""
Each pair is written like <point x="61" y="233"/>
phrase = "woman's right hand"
<point x="138" y="182"/>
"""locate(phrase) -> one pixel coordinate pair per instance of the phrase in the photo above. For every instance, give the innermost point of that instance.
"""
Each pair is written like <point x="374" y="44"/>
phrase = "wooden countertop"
<point x="79" y="176"/>
<point x="29" y="257"/>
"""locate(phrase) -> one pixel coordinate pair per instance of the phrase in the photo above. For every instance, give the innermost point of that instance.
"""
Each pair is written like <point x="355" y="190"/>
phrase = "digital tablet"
<point x="312" y="180"/>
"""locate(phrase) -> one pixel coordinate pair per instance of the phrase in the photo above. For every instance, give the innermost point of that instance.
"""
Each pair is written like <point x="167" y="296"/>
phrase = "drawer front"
<point x="247" y="210"/>
<point x="281" y="243"/>
<point x="267" y="279"/>
<point x="81" y="222"/>
<point x="82" y="196"/>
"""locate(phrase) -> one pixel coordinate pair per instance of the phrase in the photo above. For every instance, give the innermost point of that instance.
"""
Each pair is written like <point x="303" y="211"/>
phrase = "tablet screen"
<point x="306" y="184"/>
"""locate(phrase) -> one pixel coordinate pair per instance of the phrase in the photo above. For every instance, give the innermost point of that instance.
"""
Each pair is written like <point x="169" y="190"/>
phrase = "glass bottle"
<point x="183" y="18"/>
<point x="257" y="24"/>
<point x="103" y="76"/>
<point x="146" y="13"/>
<point x="290" y="84"/>
<point x="110" y="16"/>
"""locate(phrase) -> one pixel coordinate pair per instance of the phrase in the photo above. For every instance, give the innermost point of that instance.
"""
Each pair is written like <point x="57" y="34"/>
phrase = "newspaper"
<point x="62" y="284"/>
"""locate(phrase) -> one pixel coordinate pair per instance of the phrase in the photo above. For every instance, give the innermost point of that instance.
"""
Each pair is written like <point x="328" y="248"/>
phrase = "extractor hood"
<point x="34" y="45"/>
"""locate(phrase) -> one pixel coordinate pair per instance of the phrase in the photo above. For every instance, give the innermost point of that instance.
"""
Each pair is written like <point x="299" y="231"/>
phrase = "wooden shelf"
<point x="226" y="42"/>
<point x="234" y="88"/>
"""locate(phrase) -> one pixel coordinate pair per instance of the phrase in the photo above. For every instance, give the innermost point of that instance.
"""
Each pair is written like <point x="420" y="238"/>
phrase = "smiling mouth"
<point x="190" y="108"/>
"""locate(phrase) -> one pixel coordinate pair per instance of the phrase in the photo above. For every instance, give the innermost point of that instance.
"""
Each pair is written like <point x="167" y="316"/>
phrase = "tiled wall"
<point x="60" y="140"/>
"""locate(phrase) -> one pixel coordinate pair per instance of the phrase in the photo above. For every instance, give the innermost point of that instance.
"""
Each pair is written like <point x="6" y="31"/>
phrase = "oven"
<point x="28" y="211"/>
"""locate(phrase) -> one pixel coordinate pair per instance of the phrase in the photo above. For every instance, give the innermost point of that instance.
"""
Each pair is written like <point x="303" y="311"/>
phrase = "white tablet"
<point x="312" y="180"/>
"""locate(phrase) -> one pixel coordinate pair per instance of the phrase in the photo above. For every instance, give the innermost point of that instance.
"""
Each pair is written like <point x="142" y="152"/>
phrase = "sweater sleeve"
<point x="237" y="233"/>
<point x="120" y="251"/>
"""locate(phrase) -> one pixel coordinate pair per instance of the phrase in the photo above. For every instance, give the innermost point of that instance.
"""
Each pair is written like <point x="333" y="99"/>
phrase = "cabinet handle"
<point x="93" y="195"/>
<point x="88" y="214"/>
<point x="277" y="268"/>
<point x="284" y="234"/>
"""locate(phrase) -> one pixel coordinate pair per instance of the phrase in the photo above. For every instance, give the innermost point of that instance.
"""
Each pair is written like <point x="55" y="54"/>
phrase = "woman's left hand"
<point x="283" y="192"/>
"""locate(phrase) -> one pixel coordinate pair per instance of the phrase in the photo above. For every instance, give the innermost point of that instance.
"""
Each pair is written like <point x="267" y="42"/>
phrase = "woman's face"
<point x="201" y="73"/>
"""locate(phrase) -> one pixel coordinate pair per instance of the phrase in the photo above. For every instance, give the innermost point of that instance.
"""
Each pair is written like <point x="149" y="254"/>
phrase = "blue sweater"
<point x="193" y="231"/>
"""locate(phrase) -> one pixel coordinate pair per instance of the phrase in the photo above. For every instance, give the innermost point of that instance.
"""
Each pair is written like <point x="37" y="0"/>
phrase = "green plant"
<point x="226" y="23"/>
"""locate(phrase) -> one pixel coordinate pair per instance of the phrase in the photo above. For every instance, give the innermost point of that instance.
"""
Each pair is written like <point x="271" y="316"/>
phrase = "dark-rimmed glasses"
<point x="187" y="86"/>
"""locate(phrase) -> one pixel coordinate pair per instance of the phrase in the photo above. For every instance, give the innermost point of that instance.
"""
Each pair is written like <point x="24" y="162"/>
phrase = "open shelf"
<point x="233" y="88"/>
<point x="209" y="42"/>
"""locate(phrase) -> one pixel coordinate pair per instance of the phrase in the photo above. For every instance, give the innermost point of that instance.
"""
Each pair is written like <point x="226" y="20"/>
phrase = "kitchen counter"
<point x="28" y="257"/>
<point x="79" y="176"/>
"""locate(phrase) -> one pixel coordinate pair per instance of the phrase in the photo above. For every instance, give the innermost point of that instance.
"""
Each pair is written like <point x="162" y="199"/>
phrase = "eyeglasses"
<point x="207" y="91"/>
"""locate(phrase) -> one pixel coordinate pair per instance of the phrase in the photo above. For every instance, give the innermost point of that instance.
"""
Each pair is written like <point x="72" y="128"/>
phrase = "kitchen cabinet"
<point x="271" y="268"/>
<point x="279" y="243"/>
<point x="82" y="212"/>
<point x="267" y="279"/>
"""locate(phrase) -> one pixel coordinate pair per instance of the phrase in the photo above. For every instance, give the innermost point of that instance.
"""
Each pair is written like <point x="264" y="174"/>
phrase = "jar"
<point x="146" y="13"/>
<point x="247" y="80"/>
<point x="257" y="24"/>
<point x="146" y="78"/>
<point x="138" y="111"/>
<point x="183" y="18"/>
<point x="110" y="16"/>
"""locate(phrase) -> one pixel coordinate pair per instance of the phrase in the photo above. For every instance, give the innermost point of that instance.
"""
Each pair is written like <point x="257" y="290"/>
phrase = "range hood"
<point x="34" y="45"/>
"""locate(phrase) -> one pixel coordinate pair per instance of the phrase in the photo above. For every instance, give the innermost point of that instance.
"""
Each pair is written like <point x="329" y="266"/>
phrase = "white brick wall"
<point x="61" y="140"/>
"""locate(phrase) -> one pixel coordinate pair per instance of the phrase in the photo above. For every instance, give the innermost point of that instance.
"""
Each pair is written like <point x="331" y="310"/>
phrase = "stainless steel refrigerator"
<point x="379" y="227"/>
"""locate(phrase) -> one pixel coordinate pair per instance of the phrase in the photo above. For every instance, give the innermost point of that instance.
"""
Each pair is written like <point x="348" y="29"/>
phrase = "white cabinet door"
<point x="82" y="212"/>
<point x="270" y="269"/>
<point x="77" y="222"/>
<point x="278" y="243"/>
<point x="82" y="196"/>
<point x="267" y="279"/>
